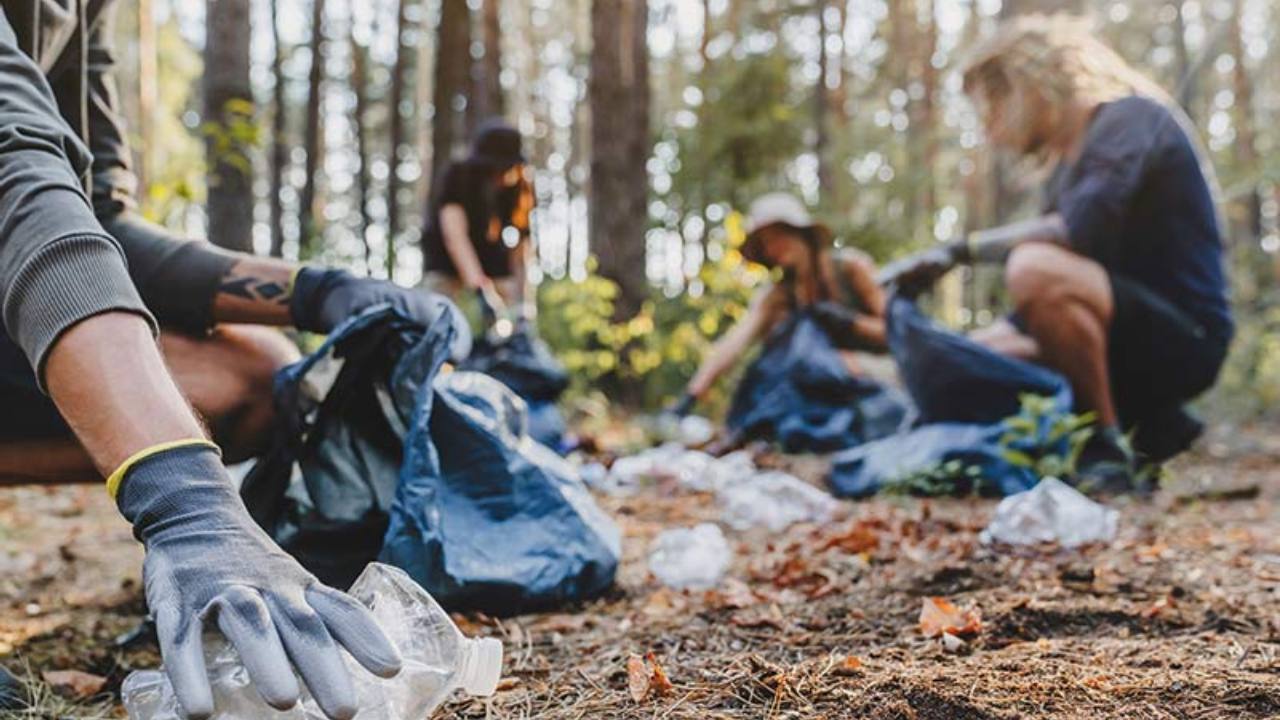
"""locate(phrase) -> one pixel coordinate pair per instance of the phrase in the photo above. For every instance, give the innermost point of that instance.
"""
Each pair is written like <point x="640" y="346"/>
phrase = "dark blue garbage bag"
<point x="361" y="469"/>
<point x="966" y="397"/>
<point x="800" y="393"/>
<point x="524" y="363"/>
<point x="469" y="510"/>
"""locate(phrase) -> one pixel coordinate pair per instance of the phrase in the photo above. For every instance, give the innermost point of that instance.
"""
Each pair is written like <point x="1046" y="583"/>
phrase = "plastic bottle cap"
<point x="481" y="676"/>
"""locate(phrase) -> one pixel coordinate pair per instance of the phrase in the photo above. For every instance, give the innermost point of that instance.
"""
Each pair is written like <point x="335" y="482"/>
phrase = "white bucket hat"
<point x="779" y="208"/>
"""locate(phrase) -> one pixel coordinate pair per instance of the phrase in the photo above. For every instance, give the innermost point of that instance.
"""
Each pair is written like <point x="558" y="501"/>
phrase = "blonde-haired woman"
<point x="1120" y="282"/>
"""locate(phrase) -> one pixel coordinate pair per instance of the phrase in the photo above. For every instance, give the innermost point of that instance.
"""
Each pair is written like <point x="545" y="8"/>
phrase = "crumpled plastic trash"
<point x="438" y="659"/>
<point x="687" y="430"/>
<point x="774" y="500"/>
<point x="692" y="469"/>
<point x="690" y="558"/>
<point x="1051" y="512"/>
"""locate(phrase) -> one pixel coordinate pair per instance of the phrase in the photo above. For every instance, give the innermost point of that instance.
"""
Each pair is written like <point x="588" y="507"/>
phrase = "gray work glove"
<point x="208" y="564"/>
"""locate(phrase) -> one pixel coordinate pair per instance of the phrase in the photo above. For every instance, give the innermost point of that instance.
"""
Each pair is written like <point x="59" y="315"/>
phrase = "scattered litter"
<point x="690" y="558"/>
<point x="952" y="644"/>
<point x="1051" y="512"/>
<point x="774" y="500"/>
<point x="940" y="617"/>
<point x="689" y="431"/>
<point x="438" y="659"/>
<point x="691" y="469"/>
<point x="645" y="677"/>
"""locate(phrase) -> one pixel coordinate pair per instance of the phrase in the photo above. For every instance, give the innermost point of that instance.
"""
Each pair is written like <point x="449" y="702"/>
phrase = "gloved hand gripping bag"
<point x="963" y="394"/>
<point x="800" y="393"/>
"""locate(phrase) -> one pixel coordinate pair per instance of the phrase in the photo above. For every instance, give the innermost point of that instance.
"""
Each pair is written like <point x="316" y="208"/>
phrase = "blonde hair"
<point x="1057" y="57"/>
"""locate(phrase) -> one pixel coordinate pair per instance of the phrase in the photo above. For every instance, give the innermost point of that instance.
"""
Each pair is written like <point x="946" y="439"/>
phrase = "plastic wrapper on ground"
<point x="690" y="558"/>
<point x="773" y="500"/>
<point x="1051" y="512"/>
<point x="438" y="660"/>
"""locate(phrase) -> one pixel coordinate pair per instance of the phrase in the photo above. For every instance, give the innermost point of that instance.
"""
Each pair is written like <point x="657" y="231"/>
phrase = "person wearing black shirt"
<point x="1120" y="282"/>
<point x="477" y="227"/>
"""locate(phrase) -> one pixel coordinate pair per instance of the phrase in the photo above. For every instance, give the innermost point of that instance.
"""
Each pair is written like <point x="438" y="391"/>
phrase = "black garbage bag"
<point x="800" y="393"/>
<point x="524" y="363"/>
<point x="356" y="429"/>
<point x="965" y="397"/>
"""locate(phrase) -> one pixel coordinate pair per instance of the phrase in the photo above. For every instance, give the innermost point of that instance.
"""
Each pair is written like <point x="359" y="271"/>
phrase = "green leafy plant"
<point x="951" y="478"/>
<point x="1045" y="440"/>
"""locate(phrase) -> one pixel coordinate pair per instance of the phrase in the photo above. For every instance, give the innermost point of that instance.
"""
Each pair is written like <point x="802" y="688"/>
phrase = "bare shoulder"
<point x="853" y="260"/>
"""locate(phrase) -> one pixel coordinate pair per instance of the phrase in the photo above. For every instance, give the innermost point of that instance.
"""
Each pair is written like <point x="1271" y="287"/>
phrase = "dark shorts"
<point x="1160" y="357"/>
<point x="25" y="412"/>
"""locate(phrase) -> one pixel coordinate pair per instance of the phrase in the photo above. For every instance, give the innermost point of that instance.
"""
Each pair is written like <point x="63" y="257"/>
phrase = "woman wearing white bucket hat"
<point x="836" y="285"/>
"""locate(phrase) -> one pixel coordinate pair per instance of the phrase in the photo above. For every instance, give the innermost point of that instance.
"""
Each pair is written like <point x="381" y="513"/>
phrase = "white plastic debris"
<point x="1051" y="512"/>
<point x="774" y="500"/>
<point x="689" y="430"/>
<point x="690" y="558"/>
<point x="438" y="659"/>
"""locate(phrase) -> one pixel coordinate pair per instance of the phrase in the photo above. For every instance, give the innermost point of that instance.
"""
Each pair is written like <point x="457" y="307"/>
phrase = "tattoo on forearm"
<point x="257" y="289"/>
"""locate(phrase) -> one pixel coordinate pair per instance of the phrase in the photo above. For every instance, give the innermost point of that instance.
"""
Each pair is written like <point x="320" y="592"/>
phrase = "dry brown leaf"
<point x="850" y="665"/>
<point x="74" y="684"/>
<point x="939" y="615"/>
<point x="659" y="682"/>
<point x="639" y="679"/>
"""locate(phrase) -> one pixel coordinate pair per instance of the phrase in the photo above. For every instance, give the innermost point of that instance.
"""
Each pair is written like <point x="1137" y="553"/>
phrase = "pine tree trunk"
<point x="822" y="105"/>
<point x="279" y="141"/>
<point x="619" y="95"/>
<point x="313" y="141"/>
<point x="453" y="63"/>
<point x="1246" y="146"/>
<point x="397" y="133"/>
<point x="487" y="96"/>
<point x="228" y="99"/>
<point x="359" y="88"/>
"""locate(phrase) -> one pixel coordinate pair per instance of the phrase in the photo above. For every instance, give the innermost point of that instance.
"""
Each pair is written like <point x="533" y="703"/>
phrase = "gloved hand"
<point x="683" y="405"/>
<point x="918" y="273"/>
<point x="837" y="321"/>
<point x="323" y="299"/>
<point x="208" y="563"/>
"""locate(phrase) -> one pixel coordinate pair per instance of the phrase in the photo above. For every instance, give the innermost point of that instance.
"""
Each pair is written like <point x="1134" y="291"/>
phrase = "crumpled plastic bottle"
<point x="1052" y="511"/>
<point x="690" y="558"/>
<point x="775" y="500"/>
<point x="438" y="659"/>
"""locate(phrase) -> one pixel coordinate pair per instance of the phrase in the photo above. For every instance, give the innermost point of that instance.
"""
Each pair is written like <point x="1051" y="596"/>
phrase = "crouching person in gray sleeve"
<point x="86" y="288"/>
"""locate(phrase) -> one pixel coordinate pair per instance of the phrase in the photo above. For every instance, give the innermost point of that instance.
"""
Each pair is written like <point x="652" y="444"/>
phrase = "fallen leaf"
<point x="1158" y="607"/>
<point x="939" y="616"/>
<point x="638" y="678"/>
<point x="850" y="665"/>
<point x="659" y="682"/>
<point x="74" y="684"/>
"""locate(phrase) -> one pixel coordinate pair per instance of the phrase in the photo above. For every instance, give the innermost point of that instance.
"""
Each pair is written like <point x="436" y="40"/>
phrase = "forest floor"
<point x="1179" y="618"/>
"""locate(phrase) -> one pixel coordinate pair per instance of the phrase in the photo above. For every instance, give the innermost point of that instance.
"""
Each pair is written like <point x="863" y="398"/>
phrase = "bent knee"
<point x="1040" y="272"/>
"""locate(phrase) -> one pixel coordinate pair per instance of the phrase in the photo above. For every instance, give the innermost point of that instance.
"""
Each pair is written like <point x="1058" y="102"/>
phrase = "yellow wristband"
<point x="117" y="477"/>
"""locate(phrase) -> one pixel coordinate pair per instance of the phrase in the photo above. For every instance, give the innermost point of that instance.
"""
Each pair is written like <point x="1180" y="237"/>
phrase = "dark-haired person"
<point x="1120" y="283"/>
<point x="837" y="285"/>
<point x="477" y="227"/>
<point x="157" y="365"/>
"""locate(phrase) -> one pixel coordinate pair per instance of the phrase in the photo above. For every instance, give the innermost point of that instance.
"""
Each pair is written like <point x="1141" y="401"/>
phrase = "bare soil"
<point x="1179" y="618"/>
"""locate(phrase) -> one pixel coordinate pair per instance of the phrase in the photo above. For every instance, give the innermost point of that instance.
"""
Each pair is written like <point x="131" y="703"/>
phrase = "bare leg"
<point x="1066" y="302"/>
<point x="227" y="378"/>
<point x="1004" y="338"/>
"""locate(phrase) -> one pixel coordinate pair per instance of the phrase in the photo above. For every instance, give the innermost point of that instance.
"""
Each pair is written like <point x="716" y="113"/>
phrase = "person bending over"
<point x="1119" y="284"/>
<point x="836" y="285"/>
<point x="86" y="286"/>
<point x="477" y="231"/>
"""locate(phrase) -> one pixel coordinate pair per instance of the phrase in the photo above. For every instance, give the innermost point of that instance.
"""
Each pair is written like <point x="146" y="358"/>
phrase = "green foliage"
<point x="661" y="347"/>
<point x="949" y="479"/>
<point x="1044" y="440"/>
<point x="232" y="140"/>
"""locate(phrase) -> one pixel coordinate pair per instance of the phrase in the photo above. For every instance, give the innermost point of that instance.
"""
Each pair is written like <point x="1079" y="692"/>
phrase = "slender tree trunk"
<point x="1186" y="85"/>
<point x="1246" y="145"/>
<point x="487" y="96"/>
<point x="928" y="115"/>
<point x="707" y="34"/>
<point x="359" y="87"/>
<point x="822" y="106"/>
<point x="619" y="95"/>
<point x="395" y="155"/>
<point x="279" y="141"/>
<point x="228" y="100"/>
<point x="313" y="140"/>
<point x="453" y="60"/>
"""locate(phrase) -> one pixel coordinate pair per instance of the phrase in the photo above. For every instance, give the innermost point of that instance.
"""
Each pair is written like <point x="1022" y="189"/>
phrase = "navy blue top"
<point x="1138" y="201"/>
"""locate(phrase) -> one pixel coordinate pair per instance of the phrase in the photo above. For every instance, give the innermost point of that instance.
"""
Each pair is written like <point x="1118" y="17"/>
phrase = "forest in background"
<point x="650" y="124"/>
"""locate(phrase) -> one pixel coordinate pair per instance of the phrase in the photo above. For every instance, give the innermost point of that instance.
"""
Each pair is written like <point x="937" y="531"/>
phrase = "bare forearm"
<point x="109" y="381"/>
<point x="994" y="245"/>
<point x="257" y="291"/>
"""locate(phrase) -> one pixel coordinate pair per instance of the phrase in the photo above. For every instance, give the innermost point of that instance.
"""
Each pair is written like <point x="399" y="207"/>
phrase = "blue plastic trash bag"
<point x="524" y="363"/>
<point x="965" y="396"/>
<point x="800" y="393"/>
<point x="469" y="510"/>
<point x="356" y="431"/>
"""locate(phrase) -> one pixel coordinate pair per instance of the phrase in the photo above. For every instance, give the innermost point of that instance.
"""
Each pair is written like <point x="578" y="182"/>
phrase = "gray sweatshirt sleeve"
<point x="57" y="265"/>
